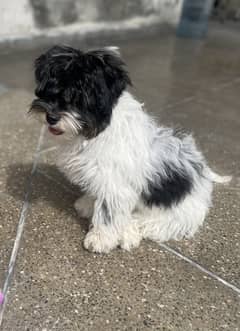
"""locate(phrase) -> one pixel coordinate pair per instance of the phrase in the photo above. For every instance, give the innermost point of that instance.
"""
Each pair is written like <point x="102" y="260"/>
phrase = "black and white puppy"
<point x="140" y="180"/>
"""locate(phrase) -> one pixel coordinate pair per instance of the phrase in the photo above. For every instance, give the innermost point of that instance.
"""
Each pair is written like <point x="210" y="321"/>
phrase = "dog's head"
<point x="76" y="91"/>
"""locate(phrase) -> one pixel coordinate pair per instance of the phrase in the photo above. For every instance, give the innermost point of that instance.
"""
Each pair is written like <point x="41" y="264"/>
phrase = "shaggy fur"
<point x="140" y="180"/>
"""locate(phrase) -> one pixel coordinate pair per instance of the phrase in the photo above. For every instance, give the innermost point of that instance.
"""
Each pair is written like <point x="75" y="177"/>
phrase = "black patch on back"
<point x="170" y="190"/>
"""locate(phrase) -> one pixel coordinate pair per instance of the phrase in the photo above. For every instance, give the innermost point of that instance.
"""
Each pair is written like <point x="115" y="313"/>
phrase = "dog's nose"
<point x="51" y="120"/>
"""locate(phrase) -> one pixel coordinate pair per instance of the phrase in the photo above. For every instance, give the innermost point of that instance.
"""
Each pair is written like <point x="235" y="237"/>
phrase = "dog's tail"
<point x="217" y="178"/>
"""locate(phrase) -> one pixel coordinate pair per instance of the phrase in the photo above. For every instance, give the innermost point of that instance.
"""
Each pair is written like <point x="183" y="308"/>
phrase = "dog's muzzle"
<point x="41" y="106"/>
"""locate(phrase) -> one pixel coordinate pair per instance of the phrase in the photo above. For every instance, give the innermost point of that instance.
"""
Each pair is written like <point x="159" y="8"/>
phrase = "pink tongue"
<point x="55" y="131"/>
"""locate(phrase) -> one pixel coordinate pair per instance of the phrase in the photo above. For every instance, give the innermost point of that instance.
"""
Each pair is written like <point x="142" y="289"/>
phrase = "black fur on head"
<point x="86" y="84"/>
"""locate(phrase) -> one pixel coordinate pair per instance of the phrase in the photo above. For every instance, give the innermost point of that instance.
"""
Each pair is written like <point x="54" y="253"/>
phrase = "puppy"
<point x="140" y="180"/>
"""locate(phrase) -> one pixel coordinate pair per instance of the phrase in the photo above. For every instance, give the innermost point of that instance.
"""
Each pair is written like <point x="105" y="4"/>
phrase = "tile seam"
<point x="21" y="223"/>
<point x="201" y="268"/>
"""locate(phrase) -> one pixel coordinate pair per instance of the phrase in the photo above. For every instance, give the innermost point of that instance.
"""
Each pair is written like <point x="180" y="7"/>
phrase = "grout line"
<point x="21" y="223"/>
<point x="180" y="102"/>
<point x="46" y="150"/>
<point x="201" y="268"/>
<point x="223" y="85"/>
<point x="217" y="87"/>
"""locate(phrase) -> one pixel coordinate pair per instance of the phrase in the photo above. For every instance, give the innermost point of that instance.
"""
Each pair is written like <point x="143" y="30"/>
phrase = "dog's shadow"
<point x="46" y="185"/>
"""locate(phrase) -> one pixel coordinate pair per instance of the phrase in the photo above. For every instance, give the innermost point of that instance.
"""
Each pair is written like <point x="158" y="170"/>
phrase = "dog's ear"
<point x="114" y="69"/>
<point x="41" y="73"/>
<point x="56" y="68"/>
<point x="104" y="80"/>
<point x="113" y="49"/>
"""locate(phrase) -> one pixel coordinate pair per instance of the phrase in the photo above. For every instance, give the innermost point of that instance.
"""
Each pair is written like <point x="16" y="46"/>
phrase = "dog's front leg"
<point x="104" y="234"/>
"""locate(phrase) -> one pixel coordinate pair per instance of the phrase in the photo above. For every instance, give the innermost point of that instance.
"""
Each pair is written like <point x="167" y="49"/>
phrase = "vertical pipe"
<point x="194" y="18"/>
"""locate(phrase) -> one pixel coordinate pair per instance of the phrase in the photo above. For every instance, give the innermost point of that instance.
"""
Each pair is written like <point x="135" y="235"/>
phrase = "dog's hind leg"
<point x="175" y="223"/>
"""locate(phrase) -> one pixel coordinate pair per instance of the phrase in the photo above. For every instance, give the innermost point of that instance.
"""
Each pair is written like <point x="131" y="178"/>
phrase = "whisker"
<point x="71" y="122"/>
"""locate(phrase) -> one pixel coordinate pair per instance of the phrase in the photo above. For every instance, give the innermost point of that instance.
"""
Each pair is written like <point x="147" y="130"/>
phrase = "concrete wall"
<point x="24" y="18"/>
<point x="16" y="17"/>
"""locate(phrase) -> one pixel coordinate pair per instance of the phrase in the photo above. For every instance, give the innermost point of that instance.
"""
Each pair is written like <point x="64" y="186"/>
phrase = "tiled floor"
<point x="56" y="284"/>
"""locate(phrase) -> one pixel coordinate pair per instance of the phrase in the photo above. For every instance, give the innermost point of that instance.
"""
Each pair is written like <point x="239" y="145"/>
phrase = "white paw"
<point x="131" y="238"/>
<point x="99" y="241"/>
<point x="84" y="207"/>
<point x="128" y="245"/>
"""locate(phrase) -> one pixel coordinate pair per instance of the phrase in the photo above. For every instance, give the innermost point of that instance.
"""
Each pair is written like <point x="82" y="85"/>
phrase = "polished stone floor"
<point x="57" y="285"/>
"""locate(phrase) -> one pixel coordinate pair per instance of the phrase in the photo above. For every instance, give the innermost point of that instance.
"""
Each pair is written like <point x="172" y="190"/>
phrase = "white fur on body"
<point x="114" y="169"/>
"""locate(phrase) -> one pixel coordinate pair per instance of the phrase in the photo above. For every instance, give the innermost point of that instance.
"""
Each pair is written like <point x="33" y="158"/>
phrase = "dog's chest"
<point x="81" y="163"/>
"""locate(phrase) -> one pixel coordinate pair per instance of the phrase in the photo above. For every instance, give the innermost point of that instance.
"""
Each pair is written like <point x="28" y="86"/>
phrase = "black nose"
<point x="51" y="120"/>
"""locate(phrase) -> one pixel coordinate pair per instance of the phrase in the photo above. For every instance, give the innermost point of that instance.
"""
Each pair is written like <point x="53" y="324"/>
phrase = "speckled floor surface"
<point x="188" y="285"/>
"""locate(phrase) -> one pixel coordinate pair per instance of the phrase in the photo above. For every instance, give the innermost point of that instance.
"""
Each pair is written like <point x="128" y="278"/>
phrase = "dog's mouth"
<point x="55" y="131"/>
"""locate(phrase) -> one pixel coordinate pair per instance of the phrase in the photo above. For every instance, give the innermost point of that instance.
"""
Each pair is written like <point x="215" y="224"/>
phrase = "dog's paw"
<point x="131" y="238"/>
<point x="99" y="242"/>
<point x="128" y="245"/>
